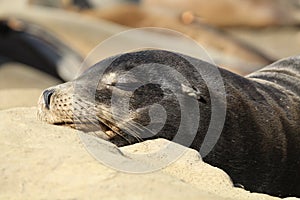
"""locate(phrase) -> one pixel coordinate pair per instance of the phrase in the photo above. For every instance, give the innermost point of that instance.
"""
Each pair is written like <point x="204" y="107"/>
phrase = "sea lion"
<point x="259" y="143"/>
<point x="26" y="42"/>
<point x="249" y="13"/>
<point x="213" y="38"/>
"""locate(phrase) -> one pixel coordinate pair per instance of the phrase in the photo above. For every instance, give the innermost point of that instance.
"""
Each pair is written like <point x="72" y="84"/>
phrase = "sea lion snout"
<point x="55" y="104"/>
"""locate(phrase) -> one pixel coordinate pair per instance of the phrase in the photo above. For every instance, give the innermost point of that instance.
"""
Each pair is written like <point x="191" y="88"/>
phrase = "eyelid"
<point x="127" y="86"/>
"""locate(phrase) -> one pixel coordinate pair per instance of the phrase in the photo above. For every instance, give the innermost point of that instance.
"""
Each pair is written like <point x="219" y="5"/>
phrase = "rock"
<point x="48" y="162"/>
<point x="43" y="161"/>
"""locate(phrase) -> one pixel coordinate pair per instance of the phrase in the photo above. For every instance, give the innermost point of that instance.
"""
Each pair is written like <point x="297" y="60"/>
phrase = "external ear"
<point x="192" y="92"/>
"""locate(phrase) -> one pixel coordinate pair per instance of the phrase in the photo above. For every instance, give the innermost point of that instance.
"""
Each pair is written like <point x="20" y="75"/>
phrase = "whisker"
<point x="132" y="128"/>
<point x="132" y="131"/>
<point x="102" y="121"/>
<point x="91" y="119"/>
<point x="137" y="126"/>
<point x="122" y="136"/>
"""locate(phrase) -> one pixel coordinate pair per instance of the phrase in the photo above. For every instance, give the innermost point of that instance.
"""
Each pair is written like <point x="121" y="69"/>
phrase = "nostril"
<point x="47" y="97"/>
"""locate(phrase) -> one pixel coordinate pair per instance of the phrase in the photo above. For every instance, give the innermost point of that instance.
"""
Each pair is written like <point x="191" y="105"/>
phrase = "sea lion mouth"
<point x="110" y="131"/>
<point x="63" y="123"/>
<point x="88" y="127"/>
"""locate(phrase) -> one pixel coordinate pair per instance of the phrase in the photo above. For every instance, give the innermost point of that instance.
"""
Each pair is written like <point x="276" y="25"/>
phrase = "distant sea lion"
<point x="249" y="13"/>
<point x="259" y="144"/>
<point x="27" y="43"/>
<point x="205" y="34"/>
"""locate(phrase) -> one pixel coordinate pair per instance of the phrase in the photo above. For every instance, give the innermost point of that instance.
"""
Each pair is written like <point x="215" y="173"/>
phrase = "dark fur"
<point x="31" y="45"/>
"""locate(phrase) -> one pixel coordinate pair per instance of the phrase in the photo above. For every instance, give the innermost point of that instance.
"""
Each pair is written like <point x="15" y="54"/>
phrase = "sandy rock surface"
<point x="41" y="161"/>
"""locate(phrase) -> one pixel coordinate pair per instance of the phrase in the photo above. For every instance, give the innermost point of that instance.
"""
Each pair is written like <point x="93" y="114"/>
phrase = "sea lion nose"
<point x="47" y="97"/>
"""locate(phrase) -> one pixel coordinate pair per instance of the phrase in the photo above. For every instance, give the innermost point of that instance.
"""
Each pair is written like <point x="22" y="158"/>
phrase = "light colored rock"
<point x="191" y="169"/>
<point x="42" y="161"/>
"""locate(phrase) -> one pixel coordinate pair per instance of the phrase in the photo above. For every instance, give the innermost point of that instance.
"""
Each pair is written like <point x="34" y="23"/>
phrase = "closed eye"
<point x="127" y="86"/>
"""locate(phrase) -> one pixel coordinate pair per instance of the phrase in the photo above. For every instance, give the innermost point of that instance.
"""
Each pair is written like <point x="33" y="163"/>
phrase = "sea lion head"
<point x="130" y="97"/>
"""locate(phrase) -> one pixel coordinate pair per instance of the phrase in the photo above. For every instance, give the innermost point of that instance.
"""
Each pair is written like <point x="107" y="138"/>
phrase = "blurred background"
<point x="44" y="42"/>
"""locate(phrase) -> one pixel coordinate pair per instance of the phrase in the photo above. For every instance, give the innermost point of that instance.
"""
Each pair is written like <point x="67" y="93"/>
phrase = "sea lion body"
<point x="259" y="143"/>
